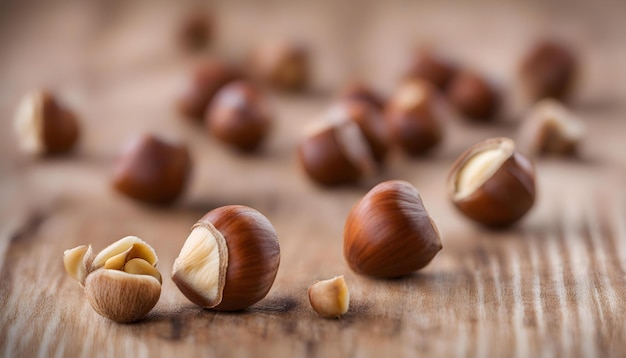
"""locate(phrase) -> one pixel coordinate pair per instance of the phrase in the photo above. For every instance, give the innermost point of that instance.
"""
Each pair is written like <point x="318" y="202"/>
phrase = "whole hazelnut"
<point x="432" y="67"/>
<point x="349" y="142"/>
<point x="239" y="116"/>
<point x="44" y="126"/>
<point x="121" y="282"/>
<point x="230" y="259"/>
<point x="389" y="232"/>
<point x="359" y="91"/>
<point x="548" y="70"/>
<point x="550" y="129"/>
<point x="195" y="30"/>
<point x="152" y="170"/>
<point x="473" y="96"/>
<point x="492" y="184"/>
<point x="330" y="298"/>
<point x="282" y="65"/>
<point x="205" y="78"/>
<point x="415" y="116"/>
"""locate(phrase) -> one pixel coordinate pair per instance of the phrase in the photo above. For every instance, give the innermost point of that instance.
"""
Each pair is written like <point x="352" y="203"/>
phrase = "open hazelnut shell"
<point x="493" y="184"/>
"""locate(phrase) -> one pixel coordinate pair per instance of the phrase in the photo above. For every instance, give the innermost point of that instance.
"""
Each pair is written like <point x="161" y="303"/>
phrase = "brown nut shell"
<point x="359" y="91"/>
<point x="241" y="264"/>
<point x="501" y="187"/>
<point x="415" y="117"/>
<point x="372" y="125"/>
<point x="205" y="78"/>
<point x="44" y="126"/>
<point x="238" y="116"/>
<point x="389" y="232"/>
<point x="432" y="67"/>
<point x="121" y="296"/>
<point x="152" y="170"/>
<point x="474" y="97"/>
<point x="282" y="65"/>
<point x="548" y="70"/>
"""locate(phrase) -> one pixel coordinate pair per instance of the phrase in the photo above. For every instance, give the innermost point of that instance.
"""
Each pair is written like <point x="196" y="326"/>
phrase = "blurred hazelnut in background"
<point x="474" y="96"/>
<point x="44" y="126"/>
<point x="548" y="70"/>
<point x="195" y="30"/>
<point x="282" y="65"/>
<point x="358" y="90"/>
<point x="426" y="64"/>
<point x="204" y="79"/>
<point x="239" y="116"/>
<point x="415" y="115"/>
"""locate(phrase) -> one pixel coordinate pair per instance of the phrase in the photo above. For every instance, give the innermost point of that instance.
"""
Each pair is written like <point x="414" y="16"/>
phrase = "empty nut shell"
<point x="152" y="170"/>
<point x="548" y="70"/>
<point x="415" y="116"/>
<point x="44" y="126"/>
<point x="473" y="96"/>
<point x="493" y="184"/>
<point x="239" y="116"/>
<point x="389" y="232"/>
<point x="230" y="259"/>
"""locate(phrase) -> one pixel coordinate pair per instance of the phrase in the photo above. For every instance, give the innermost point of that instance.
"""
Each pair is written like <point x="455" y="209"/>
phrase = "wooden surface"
<point x="552" y="285"/>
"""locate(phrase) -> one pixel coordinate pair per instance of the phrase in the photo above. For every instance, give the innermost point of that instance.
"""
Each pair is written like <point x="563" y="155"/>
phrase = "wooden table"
<point x="552" y="285"/>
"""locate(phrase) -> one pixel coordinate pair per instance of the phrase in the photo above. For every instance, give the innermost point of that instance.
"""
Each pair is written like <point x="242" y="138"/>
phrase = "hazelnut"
<point x="493" y="184"/>
<point x="550" y="129"/>
<point x="152" y="170"/>
<point x="281" y="65"/>
<point x="330" y="298"/>
<point x="473" y="96"/>
<point x="415" y="116"/>
<point x="432" y="67"/>
<point x="389" y="232"/>
<point x="195" y="30"/>
<point x="345" y="144"/>
<point x="359" y="91"/>
<point x="548" y="70"/>
<point x="230" y="259"/>
<point x="238" y="116"/>
<point x="44" y="126"/>
<point x="121" y="282"/>
<point x="202" y="83"/>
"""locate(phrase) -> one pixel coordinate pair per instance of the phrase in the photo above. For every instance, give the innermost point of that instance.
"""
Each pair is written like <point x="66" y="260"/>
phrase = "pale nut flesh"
<point x="121" y="282"/>
<point x="200" y="269"/>
<point x="28" y="123"/>
<point x="330" y="298"/>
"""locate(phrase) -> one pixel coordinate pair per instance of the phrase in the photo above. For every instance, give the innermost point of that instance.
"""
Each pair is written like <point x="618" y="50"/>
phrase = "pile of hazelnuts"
<point x="231" y="256"/>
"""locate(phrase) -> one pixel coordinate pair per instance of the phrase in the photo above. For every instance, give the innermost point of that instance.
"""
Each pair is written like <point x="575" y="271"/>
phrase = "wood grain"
<point x="551" y="286"/>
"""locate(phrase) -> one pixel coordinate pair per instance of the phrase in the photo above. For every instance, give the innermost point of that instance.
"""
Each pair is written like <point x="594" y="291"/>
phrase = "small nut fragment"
<point x="121" y="282"/>
<point x="44" y="126"/>
<point x="492" y="183"/>
<point x="550" y="129"/>
<point x="330" y="298"/>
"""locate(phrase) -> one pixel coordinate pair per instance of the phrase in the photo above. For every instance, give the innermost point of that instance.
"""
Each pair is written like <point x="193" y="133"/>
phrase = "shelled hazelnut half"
<point x="492" y="184"/>
<point x="229" y="260"/>
<point x="473" y="96"/>
<point x="415" y="115"/>
<point x="428" y="65"/>
<point x="239" y="116"/>
<point x="330" y="298"/>
<point x="152" y="170"/>
<point x="550" y="129"/>
<point x="200" y="85"/>
<point x="348" y="143"/>
<point x="548" y="70"/>
<point x="44" y="126"/>
<point x="389" y="233"/>
<point x="282" y="65"/>
<point x="121" y="282"/>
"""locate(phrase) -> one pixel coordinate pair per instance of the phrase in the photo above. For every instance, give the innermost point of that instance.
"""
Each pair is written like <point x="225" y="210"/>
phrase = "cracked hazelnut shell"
<point x="152" y="170"/>
<point x="239" y="116"/>
<point x="493" y="184"/>
<point x="230" y="259"/>
<point x="415" y="116"/>
<point x="473" y="96"/>
<point x="389" y="233"/>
